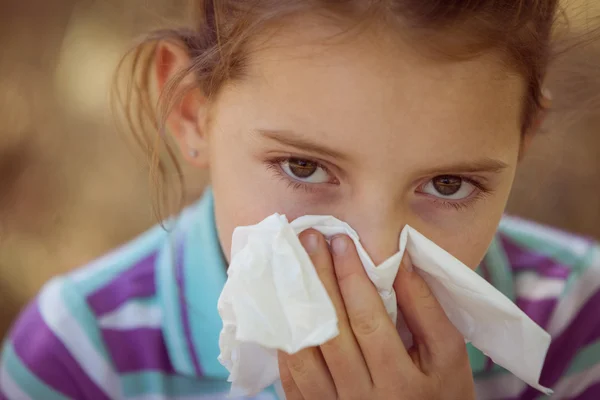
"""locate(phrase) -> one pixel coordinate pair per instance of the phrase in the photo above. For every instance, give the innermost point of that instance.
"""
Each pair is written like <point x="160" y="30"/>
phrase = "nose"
<point x="379" y="226"/>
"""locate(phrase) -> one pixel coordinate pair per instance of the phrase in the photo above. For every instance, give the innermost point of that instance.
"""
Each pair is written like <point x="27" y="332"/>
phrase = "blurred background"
<point x="72" y="186"/>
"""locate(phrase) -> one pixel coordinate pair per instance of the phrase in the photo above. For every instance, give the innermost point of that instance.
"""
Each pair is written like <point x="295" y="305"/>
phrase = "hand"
<point x="368" y="360"/>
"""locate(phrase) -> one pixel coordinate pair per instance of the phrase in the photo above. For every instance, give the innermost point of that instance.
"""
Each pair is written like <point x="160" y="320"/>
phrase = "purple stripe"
<point x="539" y="311"/>
<point x="583" y="331"/>
<point x="522" y="259"/>
<point x="136" y="282"/>
<point x="48" y="358"/>
<point x="137" y="350"/>
<point x="184" y="310"/>
<point x="489" y="364"/>
<point x="591" y="393"/>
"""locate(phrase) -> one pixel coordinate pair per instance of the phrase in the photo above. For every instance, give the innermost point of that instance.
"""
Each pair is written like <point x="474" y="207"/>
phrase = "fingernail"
<point x="310" y="241"/>
<point x="339" y="244"/>
<point x="407" y="263"/>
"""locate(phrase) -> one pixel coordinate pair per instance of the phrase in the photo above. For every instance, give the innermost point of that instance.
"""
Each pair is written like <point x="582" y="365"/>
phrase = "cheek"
<point x="467" y="241"/>
<point x="246" y="199"/>
<point x="246" y="191"/>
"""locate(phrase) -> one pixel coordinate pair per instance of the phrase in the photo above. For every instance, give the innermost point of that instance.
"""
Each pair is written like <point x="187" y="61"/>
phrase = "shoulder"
<point x="552" y="267"/>
<point x="137" y="255"/>
<point x="573" y="361"/>
<point x="70" y="341"/>
<point x="547" y="263"/>
<point x="54" y="350"/>
<point x="520" y="237"/>
<point x="557" y="283"/>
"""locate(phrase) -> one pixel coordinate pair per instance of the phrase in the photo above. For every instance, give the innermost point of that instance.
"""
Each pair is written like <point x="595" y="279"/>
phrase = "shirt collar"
<point x="191" y="274"/>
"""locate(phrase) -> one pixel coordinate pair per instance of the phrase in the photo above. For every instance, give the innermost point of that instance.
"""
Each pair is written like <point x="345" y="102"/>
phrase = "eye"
<point x="305" y="170"/>
<point x="449" y="187"/>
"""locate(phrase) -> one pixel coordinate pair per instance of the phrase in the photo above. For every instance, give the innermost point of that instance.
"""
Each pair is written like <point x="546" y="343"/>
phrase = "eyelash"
<point x="482" y="191"/>
<point x="275" y="166"/>
<point x="461" y="205"/>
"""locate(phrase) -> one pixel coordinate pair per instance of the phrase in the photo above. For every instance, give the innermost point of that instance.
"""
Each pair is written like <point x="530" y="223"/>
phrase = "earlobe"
<point x="187" y="114"/>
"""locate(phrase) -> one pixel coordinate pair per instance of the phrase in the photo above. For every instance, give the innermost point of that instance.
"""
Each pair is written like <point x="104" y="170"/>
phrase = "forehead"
<point x="373" y="87"/>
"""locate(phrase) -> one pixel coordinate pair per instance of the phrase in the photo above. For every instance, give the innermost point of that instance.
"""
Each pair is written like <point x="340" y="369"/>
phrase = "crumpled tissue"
<point x="273" y="300"/>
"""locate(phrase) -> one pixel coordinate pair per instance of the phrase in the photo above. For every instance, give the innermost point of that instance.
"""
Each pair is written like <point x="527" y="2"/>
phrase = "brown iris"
<point x="447" y="185"/>
<point x="302" y="168"/>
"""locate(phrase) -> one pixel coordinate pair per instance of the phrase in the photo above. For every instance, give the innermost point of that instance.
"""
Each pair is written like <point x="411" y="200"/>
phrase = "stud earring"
<point x="193" y="153"/>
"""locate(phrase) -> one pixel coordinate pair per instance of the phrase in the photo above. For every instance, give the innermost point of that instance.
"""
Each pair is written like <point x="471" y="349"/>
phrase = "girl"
<point x="381" y="113"/>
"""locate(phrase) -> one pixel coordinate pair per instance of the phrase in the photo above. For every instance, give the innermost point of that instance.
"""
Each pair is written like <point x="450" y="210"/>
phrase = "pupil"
<point x="302" y="168"/>
<point x="447" y="185"/>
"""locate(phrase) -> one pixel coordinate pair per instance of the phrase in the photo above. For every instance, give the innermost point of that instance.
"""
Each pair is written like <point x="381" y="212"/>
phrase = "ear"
<point x="187" y="119"/>
<point x="534" y="129"/>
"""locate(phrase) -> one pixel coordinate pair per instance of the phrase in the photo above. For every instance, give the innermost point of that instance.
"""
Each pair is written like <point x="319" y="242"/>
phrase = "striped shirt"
<point x="142" y="322"/>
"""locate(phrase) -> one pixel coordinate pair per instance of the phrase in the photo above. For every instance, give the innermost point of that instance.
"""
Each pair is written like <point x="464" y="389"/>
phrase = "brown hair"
<point x="520" y="30"/>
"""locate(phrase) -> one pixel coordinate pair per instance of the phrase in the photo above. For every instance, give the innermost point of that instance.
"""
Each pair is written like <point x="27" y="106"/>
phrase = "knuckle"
<point x="332" y="345"/>
<point x="417" y="388"/>
<point x="297" y="365"/>
<point x="365" y="323"/>
<point x="423" y="291"/>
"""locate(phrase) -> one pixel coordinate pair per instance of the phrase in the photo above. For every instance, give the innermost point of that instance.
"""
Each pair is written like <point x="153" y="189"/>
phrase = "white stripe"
<point x="10" y="388"/>
<point x="133" y="315"/>
<point x="531" y="286"/>
<point x="499" y="386"/>
<point x="67" y="329"/>
<point x="579" y="293"/>
<point x="574" y="385"/>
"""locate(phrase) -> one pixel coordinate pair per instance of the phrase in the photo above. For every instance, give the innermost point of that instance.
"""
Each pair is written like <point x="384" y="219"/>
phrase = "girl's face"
<point x="369" y="130"/>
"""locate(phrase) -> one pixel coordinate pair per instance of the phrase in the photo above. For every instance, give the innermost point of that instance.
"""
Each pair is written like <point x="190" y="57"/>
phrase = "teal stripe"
<point x="205" y="275"/>
<point x="477" y="359"/>
<point x="495" y="371"/>
<point x="169" y="297"/>
<point x="98" y="274"/>
<point x="156" y="383"/>
<point x="25" y="379"/>
<point x="498" y="266"/>
<point x="81" y="312"/>
<point x="586" y="358"/>
<point x="582" y="266"/>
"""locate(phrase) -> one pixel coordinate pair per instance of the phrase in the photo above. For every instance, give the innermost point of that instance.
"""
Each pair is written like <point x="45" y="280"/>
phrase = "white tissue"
<point x="273" y="300"/>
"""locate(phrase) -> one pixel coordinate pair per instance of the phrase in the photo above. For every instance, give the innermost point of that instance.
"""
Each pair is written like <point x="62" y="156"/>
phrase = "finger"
<point x="309" y="373"/>
<point x="439" y="343"/>
<point x="381" y="346"/>
<point x="287" y="381"/>
<point x="342" y="354"/>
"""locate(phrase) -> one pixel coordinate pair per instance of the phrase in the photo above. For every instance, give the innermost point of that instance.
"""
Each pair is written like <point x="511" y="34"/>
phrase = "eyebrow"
<point x="489" y="165"/>
<point x="293" y="139"/>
